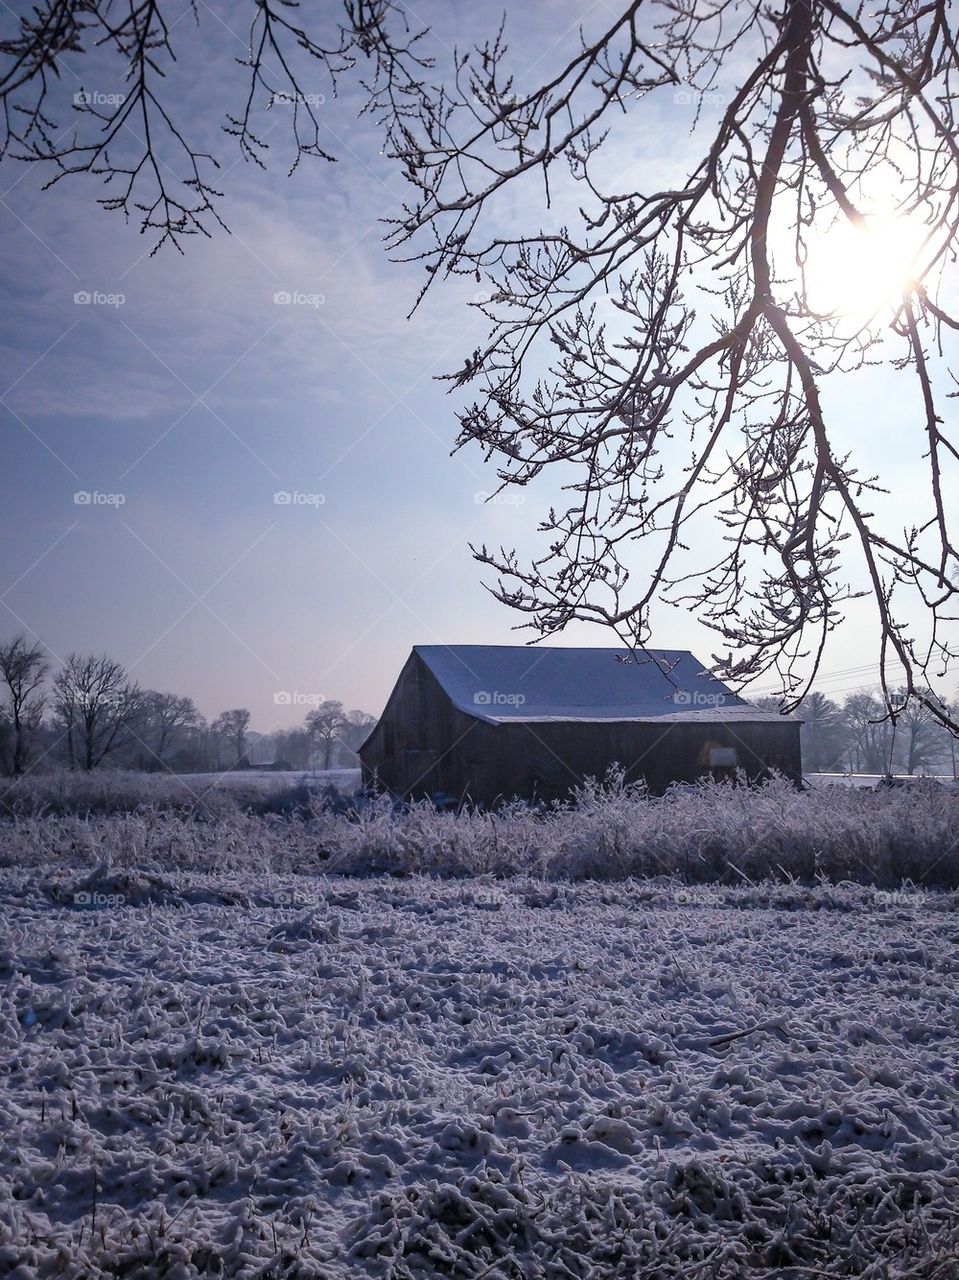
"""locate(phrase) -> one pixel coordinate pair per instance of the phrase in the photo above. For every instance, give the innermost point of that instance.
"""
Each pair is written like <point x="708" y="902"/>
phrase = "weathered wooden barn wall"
<point x="424" y="746"/>
<point x="547" y="759"/>
<point x="419" y="745"/>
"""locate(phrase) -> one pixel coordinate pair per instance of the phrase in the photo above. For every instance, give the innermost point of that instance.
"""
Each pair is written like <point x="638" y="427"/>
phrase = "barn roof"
<point x="509" y="683"/>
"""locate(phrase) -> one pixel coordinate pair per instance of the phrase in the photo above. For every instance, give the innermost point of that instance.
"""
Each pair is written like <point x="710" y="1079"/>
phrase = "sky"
<point x="154" y="407"/>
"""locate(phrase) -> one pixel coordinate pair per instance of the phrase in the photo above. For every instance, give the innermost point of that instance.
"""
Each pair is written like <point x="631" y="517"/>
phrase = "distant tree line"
<point x="89" y="714"/>
<point x="857" y="735"/>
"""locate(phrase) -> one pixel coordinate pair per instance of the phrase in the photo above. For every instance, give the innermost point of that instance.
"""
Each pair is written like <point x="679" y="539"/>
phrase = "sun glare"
<point x="857" y="271"/>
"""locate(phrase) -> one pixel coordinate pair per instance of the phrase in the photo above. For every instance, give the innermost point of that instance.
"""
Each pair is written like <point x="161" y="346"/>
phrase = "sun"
<point x="856" y="271"/>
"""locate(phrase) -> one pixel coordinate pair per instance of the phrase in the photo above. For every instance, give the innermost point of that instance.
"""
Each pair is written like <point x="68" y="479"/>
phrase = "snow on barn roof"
<point x="504" y="683"/>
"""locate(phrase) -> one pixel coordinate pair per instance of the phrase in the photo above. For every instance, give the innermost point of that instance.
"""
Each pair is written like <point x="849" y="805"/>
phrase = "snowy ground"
<point x="207" y="1075"/>
<point x="343" y="779"/>
<point x="873" y="779"/>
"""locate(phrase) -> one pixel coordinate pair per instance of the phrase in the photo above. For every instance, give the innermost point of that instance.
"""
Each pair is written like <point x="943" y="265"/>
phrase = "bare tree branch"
<point x="133" y="135"/>
<point x="663" y="352"/>
<point x="833" y="104"/>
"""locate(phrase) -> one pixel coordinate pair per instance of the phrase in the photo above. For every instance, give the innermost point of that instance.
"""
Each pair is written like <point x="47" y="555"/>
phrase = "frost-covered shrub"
<point x="611" y="831"/>
<point x="110" y="792"/>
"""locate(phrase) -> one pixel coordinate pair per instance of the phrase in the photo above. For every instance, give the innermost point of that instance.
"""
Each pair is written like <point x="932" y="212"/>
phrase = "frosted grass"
<point x="709" y="833"/>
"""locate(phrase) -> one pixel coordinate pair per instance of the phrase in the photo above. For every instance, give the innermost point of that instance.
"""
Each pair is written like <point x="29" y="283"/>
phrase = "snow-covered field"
<point x="874" y="780"/>
<point x="343" y="779"/>
<point x="125" y="791"/>
<point x="251" y="1074"/>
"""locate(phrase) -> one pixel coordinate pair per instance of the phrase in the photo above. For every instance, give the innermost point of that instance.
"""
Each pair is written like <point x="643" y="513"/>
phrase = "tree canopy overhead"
<point x="665" y="350"/>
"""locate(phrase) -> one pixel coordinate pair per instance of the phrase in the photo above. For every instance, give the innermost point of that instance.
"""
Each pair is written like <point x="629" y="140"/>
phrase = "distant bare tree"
<point x="325" y="725"/>
<point x="825" y="733"/>
<point x="23" y="672"/>
<point x="952" y="740"/>
<point x="96" y="703"/>
<point x="767" y="703"/>
<point x="357" y="729"/>
<point x="918" y="732"/>
<point x="871" y="738"/>
<point x="232" y="725"/>
<point x="292" y="748"/>
<point x="166" y="716"/>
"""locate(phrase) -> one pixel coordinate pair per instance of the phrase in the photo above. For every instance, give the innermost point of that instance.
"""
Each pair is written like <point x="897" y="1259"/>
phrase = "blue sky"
<point x="184" y="408"/>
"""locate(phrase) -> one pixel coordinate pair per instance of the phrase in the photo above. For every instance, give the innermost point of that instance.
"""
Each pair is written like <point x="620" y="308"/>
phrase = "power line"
<point x="826" y="677"/>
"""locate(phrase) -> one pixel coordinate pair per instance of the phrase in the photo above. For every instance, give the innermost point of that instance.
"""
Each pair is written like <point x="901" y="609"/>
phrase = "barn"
<point x="485" y="723"/>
